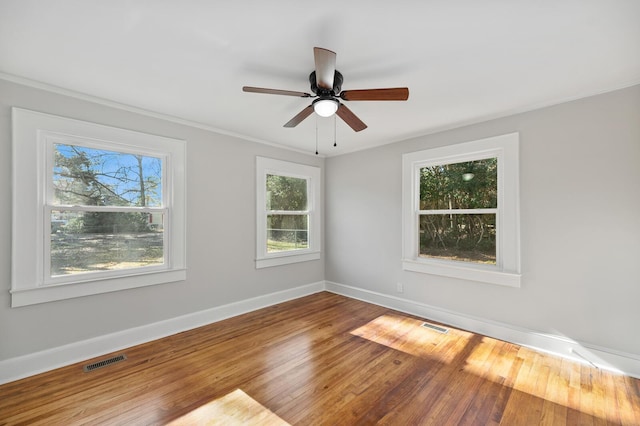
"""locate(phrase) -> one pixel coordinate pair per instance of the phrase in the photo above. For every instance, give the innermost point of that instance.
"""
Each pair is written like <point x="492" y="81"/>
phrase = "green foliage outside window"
<point x="452" y="233"/>
<point x="286" y="231"/>
<point x="92" y="177"/>
<point x="85" y="238"/>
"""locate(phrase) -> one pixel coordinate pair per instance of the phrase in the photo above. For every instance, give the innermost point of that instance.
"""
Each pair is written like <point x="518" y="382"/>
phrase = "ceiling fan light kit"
<point x="326" y="84"/>
<point x="325" y="107"/>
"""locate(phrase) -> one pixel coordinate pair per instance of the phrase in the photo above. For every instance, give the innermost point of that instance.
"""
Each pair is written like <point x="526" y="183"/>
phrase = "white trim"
<point x="507" y="269"/>
<point x="28" y="365"/>
<point x="482" y="273"/>
<point x="32" y="134"/>
<point x="92" y="285"/>
<point x="605" y="358"/>
<point x="287" y="259"/>
<point x="438" y="129"/>
<point x="313" y="176"/>
<point x="136" y="110"/>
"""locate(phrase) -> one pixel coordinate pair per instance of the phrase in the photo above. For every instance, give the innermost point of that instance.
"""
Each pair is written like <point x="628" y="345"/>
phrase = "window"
<point x="105" y="211"/>
<point x="96" y="209"/>
<point x="460" y="211"/>
<point x="458" y="204"/>
<point x="288" y="212"/>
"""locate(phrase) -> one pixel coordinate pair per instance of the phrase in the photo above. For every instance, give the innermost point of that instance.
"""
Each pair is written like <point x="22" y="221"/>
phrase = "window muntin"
<point x="445" y="207"/>
<point x="288" y="214"/>
<point x="458" y="207"/>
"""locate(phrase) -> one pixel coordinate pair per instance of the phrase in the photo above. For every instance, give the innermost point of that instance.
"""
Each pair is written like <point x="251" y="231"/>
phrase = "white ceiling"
<point x="463" y="60"/>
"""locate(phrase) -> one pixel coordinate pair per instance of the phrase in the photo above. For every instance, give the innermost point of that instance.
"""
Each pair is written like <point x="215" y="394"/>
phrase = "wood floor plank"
<point x="479" y="411"/>
<point x="504" y="396"/>
<point x="555" y="405"/>
<point x="325" y="359"/>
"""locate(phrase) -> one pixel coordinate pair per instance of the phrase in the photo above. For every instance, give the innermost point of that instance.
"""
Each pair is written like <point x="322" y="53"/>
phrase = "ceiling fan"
<point x="326" y="84"/>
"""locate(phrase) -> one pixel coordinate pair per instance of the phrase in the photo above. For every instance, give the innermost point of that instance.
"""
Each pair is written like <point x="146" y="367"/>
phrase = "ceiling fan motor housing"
<point x="337" y="85"/>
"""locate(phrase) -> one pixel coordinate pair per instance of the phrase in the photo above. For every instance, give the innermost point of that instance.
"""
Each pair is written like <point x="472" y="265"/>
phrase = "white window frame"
<point x="506" y="271"/>
<point x="313" y="175"/>
<point x="34" y="135"/>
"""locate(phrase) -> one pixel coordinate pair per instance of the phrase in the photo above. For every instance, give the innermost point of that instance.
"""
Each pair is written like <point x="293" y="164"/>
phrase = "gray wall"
<point x="220" y="240"/>
<point x="580" y="223"/>
<point x="580" y="202"/>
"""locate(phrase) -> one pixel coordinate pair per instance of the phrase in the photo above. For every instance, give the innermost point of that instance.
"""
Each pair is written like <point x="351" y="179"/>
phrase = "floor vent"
<point x="104" y="363"/>
<point x="435" y="328"/>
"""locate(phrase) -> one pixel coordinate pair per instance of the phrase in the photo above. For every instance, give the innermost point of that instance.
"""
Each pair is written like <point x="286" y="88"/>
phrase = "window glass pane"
<point x="462" y="237"/>
<point x="103" y="241"/>
<point x="97" y="177"/>
<point x="286" y="193"/>
<point x="466" y="185"/>
<point x="287" y="232"/>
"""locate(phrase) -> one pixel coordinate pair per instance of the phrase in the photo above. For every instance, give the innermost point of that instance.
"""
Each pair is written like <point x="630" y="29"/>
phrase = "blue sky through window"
<point x="83" y="175"/>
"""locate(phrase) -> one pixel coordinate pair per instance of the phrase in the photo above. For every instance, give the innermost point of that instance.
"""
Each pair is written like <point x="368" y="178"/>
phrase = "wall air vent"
<point x="104" y="363"/>
<point x="435" y="328"/>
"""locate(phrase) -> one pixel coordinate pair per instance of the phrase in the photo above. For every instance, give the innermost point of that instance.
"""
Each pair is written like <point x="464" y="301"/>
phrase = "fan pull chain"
<point x="316" y="134"/>
<point x="334" y="131"/>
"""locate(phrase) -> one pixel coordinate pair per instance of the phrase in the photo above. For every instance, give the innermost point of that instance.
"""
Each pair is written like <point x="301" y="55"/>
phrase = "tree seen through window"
<point x="108" y="210"/>
<point x="287" y="218"/>
<point x="458" y="204"/>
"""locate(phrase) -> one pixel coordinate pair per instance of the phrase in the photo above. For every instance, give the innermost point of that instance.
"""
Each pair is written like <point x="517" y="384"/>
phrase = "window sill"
<point x="32" y="296"/>
<point x="491" y="276"/>
<point x="286" y="259"/>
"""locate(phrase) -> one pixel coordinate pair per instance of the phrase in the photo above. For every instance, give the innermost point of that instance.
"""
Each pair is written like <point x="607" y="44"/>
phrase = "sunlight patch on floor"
<point x="408" y="335"/>
<point x="235" y="408"/>
<point x="554" y="380"/>
<point x="571" y="388"/>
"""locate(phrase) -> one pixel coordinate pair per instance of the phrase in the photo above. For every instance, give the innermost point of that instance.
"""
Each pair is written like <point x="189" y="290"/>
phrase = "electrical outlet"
<point x="399" y="287"/>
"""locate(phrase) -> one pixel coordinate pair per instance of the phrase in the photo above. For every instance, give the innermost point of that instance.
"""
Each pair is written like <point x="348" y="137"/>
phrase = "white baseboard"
<point x="28" y="365"/>
<point x="604" y="358"/>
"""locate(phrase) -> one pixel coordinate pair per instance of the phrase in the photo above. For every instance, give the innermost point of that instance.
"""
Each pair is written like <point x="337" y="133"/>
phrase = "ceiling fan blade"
<point x="325" y="67"/>
<point x="275" y="91"/>
<point x="350" y="118"/>
<point x="301" y="116"/>
<point x="393" y="94"/>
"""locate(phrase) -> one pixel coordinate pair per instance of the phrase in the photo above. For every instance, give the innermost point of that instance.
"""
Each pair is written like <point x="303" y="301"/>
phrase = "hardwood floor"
<point x="325" y="360"/>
